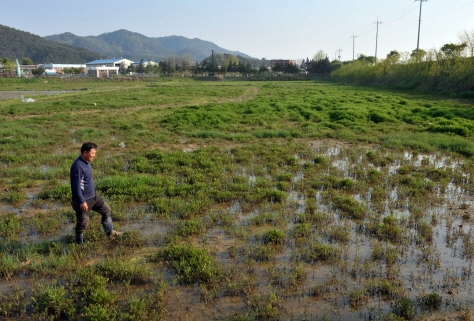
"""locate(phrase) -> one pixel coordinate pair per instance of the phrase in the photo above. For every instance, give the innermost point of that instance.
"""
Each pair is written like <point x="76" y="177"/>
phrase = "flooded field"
<point x="245" y="200"/>
<point x="340" y="233"/>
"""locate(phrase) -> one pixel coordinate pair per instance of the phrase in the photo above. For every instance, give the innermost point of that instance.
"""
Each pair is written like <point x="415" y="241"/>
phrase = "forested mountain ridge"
<point x="135" y="46"/>
<point x="17" y="44"/>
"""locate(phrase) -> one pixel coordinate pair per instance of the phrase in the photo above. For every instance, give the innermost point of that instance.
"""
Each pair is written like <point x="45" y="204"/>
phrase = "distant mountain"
<point x="16" y="44"/>
<point x="135" y="46"/>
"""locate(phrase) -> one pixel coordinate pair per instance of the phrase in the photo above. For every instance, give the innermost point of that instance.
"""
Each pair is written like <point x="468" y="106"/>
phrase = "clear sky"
<point x="270" y="29"/>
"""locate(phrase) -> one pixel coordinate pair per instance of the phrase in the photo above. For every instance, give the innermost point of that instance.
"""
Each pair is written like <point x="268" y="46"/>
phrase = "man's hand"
<point x="84" y="207"/>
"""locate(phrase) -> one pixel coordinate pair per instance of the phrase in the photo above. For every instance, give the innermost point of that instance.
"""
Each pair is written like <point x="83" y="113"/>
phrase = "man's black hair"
<point x="86" y="147"/>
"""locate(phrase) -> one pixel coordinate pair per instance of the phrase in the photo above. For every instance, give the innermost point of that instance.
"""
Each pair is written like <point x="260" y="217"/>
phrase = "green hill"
<point x="135" y="46"/>
<point x="16" y="44"/>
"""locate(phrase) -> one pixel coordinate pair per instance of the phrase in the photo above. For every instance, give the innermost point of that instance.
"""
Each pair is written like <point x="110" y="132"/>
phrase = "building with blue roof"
<point x="106" y="67"/>
<point x="114" y="62"/>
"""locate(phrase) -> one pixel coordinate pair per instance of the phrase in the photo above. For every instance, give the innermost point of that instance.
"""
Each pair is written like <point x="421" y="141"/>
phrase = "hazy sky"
<point x="270" y="29"/>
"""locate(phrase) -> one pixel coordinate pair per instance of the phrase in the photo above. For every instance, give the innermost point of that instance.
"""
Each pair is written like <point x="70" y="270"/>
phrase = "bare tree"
<point x="468" y="38"/>
<point x="320" y="55"/>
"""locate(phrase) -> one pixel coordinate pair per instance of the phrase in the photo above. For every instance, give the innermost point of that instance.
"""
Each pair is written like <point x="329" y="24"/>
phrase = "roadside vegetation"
<point x="252" y="200"/>
<point x="448" y="71"/>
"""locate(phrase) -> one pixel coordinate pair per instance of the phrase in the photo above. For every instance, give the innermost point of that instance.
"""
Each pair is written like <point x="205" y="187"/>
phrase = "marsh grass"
<point x="191" y="264"/>
<point x="405" y="308"/>
<point x="237" y="191"/>
<point x="10" y="225"/>
<point x="119" y="271"/>
<point x="274" y="237"/>
<point x="350" y="207"/>
<point x="265" y="307"/>
<point x="53" y="302"/>
<point x="316" y="252"/>
<point x="13" y="303"/>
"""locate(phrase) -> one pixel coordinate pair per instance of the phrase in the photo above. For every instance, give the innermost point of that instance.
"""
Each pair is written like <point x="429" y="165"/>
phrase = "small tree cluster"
<point x="73" y="70"/>
<point x="322" y="66"/>
<point x="288" y="68"/>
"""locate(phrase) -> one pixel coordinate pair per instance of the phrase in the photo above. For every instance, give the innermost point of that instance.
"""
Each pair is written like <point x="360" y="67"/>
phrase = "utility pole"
<point x="419" y="25"/>
<point x="339" y="51"/>
<point x="377" y="37"/>
<point x="212" y="63"/>
<point x="353" y="38"/>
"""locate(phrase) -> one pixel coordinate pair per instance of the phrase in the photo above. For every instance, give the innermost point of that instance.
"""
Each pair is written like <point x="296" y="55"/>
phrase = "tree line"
<point x="219" y="63"/>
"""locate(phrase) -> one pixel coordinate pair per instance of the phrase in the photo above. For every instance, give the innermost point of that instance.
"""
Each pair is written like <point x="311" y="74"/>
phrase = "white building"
<point x="106" y="67"/>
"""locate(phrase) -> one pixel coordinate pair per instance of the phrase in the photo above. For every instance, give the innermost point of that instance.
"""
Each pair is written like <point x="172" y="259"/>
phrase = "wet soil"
<point x="438" y="266"/>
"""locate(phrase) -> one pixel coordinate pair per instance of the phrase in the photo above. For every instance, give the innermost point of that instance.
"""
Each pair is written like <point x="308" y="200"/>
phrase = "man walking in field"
<point x="84" y="197"/>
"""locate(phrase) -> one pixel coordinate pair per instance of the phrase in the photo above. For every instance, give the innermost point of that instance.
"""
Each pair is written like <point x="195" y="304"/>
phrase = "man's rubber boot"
<point x="79" y="238"/>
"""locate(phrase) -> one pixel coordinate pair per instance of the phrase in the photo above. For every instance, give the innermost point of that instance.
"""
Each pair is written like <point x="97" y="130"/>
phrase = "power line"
<point x="427" y="18"/>
<point x="368" y="29"/>
<point x="392" y="17"/>
<point x="440" y="14"/>
<point x="398" y="17"/>
<point x="398" y="13"/>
